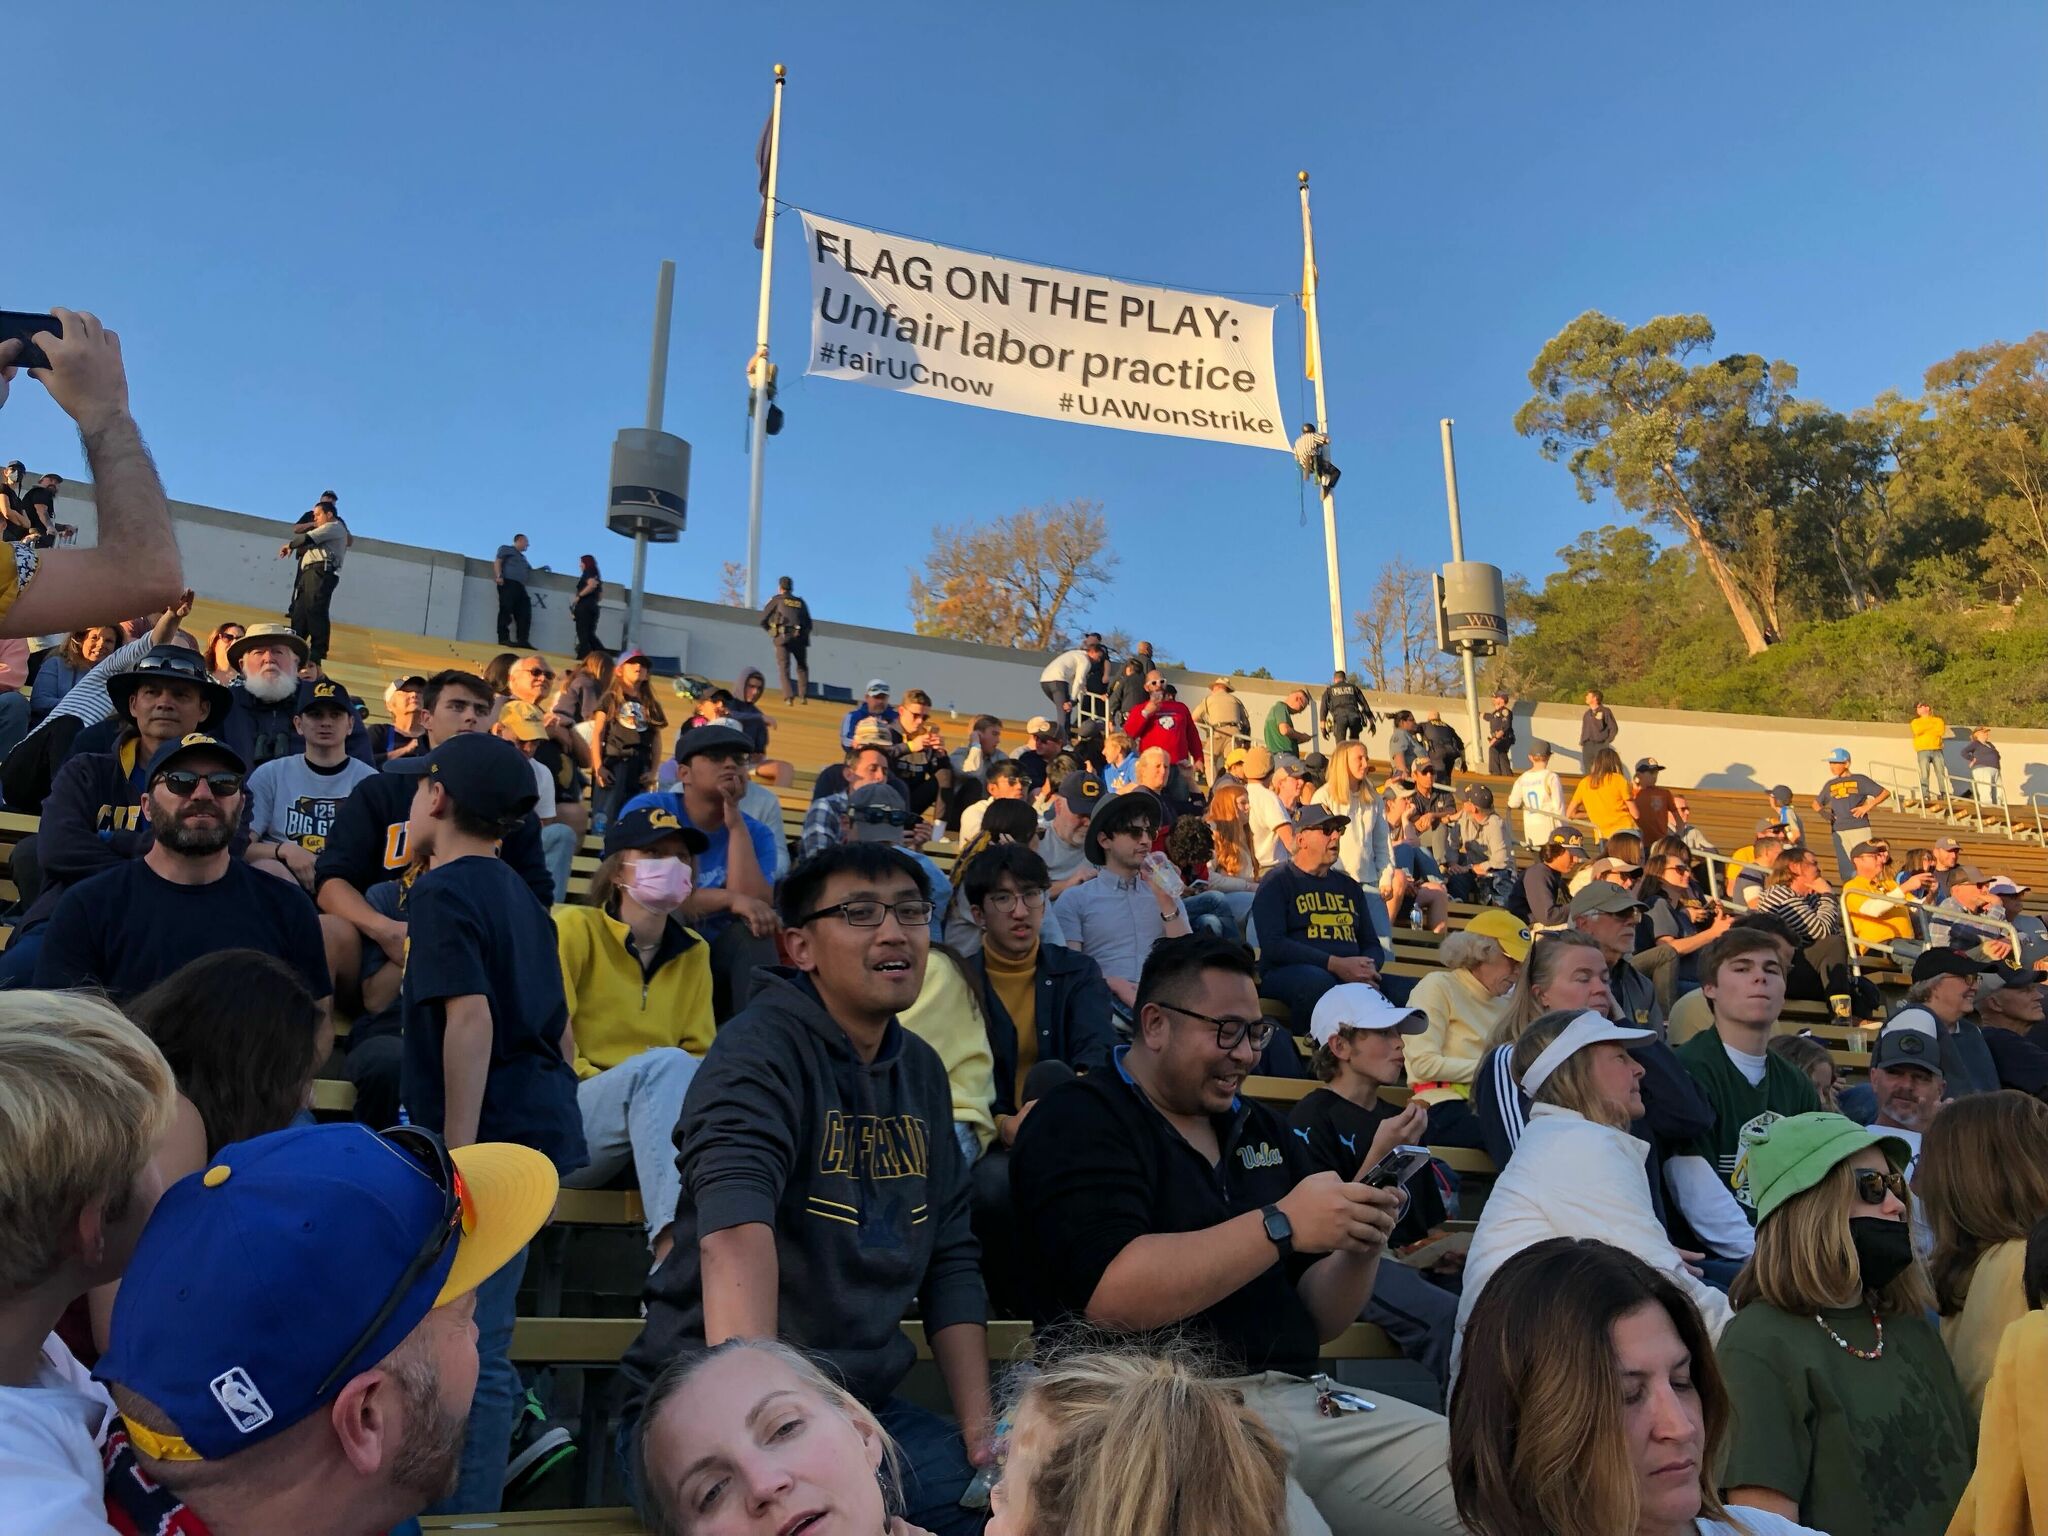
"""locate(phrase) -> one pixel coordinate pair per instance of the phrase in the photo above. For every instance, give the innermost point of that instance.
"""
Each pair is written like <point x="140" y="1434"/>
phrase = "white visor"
<point x="1587" y="1029"/>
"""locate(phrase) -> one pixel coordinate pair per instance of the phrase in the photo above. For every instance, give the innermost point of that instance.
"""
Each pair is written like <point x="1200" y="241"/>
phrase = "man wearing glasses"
<point x="823" y="1192"/>
<point x="129" y="927"/>
<point x="1160" y="1201"/>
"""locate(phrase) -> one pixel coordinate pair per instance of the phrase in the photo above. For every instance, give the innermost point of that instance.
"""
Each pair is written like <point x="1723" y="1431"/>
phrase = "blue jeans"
<point x="936" y="1470"/>
<point x="558" y="847"/>
<point x="1224" y="910"/>
<point x="629" y="1121"/>
<point x="1933" y="764"/>
<point x="1299" y="987"/>
<point x="18" y="960"/>
<point x="481" y="1487"/>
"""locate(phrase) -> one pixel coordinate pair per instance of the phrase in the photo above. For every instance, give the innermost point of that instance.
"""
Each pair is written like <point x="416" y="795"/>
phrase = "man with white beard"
<point x="266" y="694"/>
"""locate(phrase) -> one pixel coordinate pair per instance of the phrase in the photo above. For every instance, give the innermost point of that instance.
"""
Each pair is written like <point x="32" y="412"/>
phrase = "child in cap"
<point x="292" y="1347"/>
<point x="487" y="1041"/>
<point x="1345" y="1127"/>
<point x="1847" y="1412"/>
<point x="84" y="1100"/>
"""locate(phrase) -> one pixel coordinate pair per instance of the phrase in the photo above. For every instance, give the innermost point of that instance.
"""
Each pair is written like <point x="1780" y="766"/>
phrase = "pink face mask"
<point x="660" y="885"/>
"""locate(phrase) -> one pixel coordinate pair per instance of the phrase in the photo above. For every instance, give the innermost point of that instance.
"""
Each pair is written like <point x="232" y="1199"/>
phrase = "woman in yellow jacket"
<point x="639" y="989"/>
<point x="1464" y="1002"/>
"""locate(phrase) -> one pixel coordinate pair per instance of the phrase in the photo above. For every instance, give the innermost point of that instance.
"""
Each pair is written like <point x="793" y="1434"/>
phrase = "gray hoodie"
<point x="852" y="1164"/>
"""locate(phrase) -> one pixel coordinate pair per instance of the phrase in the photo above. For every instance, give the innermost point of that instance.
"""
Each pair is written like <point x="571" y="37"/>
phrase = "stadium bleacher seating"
<point x="366" y="660"/>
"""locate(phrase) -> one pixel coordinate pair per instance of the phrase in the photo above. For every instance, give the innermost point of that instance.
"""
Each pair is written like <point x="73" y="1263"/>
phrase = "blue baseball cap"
<point x="193" y="742"/>
<point x="644" y="826"/>
<point x="1839" y="755"/>
<point x="487" y="777"/>
<point x="254" y="1293"/>
<point x="324" y="693"/>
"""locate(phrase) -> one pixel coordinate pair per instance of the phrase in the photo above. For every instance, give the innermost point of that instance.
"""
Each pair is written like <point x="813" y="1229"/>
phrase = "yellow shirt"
<point x="2008" y="1493"/>
<point x="1929" y="732"/>
<point x="1877" y="911"/>
<point x="1606" y="804"/>
<point x="1462" y="1014"/>
<point x="1016" y="987"/>
<point x="615" y="1011"/>
<point x="1995" y="1299"/>
<point x="948" y="1019"/>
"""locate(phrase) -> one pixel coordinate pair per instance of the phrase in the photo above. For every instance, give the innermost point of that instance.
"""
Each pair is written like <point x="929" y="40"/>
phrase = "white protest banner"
<point x="927" y="319"/>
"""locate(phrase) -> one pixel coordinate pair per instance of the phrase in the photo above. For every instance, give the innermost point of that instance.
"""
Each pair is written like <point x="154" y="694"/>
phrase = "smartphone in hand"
<point x="18" y="325"/>
<point x="1395" y="1169"/>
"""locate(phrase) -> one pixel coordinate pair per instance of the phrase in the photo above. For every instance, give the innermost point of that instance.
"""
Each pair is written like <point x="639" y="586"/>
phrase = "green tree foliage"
<point x="1831" y="564"/>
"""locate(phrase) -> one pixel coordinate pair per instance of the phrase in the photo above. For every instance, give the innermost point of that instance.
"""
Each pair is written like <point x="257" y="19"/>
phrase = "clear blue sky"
<point x="409" y="252"/>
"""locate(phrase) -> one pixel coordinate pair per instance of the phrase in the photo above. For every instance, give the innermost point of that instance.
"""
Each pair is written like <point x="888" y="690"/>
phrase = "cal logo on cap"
<point x="660" y="818"/>
<point x="195" y="739"/>
<point x="1090" y="788"/>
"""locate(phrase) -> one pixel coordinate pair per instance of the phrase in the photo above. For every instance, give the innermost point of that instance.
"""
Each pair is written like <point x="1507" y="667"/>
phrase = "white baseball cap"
<point x="1355" y="1005"/>
<point x="1588" y="1028"/>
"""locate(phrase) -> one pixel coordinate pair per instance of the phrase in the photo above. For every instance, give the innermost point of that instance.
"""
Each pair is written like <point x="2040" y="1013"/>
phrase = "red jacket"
<point x="1172" y="727"/>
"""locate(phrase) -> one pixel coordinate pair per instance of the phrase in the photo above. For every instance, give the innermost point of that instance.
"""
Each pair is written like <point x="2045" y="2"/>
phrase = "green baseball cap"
<point x="1790" y="1155"/>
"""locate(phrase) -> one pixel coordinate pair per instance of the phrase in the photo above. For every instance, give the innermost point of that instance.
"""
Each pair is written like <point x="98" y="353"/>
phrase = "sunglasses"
<point x="1872" y="1186"/>
<point x="182" y="782"/>
<point x="457" y="1216"/>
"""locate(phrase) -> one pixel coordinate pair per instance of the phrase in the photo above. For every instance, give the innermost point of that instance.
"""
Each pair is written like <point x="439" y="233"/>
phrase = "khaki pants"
<point x="1384" y="1473"/>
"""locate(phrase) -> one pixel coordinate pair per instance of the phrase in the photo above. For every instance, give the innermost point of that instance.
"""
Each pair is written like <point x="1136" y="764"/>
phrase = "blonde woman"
<point x="1363" y="851"/>
<point x="1590" y="1402"/>
<point x="752" y="1437"/>
<point x="1465" y="1003"/>
<point x="1604" y="796"/>
<point x="1129" y="1444"/>
<point x="1983" y="1180"/>
<point x="1563" y="971"/>
<point x="1577" y="1171"/>
<point x="1847" y="1412"/>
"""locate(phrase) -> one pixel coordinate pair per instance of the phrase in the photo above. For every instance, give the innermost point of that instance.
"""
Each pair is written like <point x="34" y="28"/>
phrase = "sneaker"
<point x="539" y="1445"/>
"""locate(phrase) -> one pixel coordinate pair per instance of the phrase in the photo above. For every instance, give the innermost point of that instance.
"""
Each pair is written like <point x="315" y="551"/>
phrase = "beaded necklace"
<point x="1861" y="1354"/>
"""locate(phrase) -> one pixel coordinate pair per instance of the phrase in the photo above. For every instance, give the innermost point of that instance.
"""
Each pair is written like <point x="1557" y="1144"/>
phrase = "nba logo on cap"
<point x="244" y="1405"/>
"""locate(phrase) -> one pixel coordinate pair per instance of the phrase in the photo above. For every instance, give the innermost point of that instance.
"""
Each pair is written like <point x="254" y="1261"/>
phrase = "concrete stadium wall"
<point x="232" y="557"/>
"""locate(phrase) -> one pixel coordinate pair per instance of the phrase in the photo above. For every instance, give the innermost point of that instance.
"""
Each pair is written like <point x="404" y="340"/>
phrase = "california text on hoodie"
<point x="852" y="1164"/>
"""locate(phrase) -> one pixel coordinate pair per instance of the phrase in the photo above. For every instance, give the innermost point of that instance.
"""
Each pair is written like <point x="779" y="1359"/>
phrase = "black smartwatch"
<point x="1278" y="1229"/>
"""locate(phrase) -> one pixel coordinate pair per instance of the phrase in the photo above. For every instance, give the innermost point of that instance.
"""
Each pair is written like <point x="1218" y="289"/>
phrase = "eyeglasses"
<point x="869" y="914"/>
<point x="1143" y="831"/>
<point x="182" y="782"/>
<point x="543" y="673"/>
<point x="1230" y="1032"/>
<point x="431" y="1153"/>
<point x="1011" y="901"/>
<point x="1872" y="1186"/>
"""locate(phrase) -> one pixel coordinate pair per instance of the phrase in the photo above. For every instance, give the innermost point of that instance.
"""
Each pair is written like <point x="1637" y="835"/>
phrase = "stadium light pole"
<point x="657" y="400"/>
<point x="1458" y="555"/>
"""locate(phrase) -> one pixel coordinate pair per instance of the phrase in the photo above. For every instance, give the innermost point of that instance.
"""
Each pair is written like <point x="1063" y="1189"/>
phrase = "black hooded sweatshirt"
<point x="852" y="1164"/>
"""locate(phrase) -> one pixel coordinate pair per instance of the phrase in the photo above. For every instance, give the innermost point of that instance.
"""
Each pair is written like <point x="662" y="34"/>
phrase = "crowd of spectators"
<point x="1711" y="1289"/>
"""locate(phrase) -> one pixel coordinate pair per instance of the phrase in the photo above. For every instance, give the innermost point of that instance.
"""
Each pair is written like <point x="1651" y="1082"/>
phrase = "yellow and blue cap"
<point x="255" y="1277"/>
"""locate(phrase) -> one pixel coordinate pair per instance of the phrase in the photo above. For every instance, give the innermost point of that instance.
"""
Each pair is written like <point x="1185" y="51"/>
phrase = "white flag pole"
<point x="1316" y="370"/>
<point x="757" y="367"/>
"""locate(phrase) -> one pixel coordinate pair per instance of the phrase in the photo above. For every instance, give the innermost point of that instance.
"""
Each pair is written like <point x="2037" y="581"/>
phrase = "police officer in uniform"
<point x="1500" y="734"/>
<point x="787" y="618"/>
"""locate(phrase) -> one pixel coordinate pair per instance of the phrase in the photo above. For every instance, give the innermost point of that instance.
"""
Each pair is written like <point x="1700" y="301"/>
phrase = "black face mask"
<point x="1883" y="1249"/>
